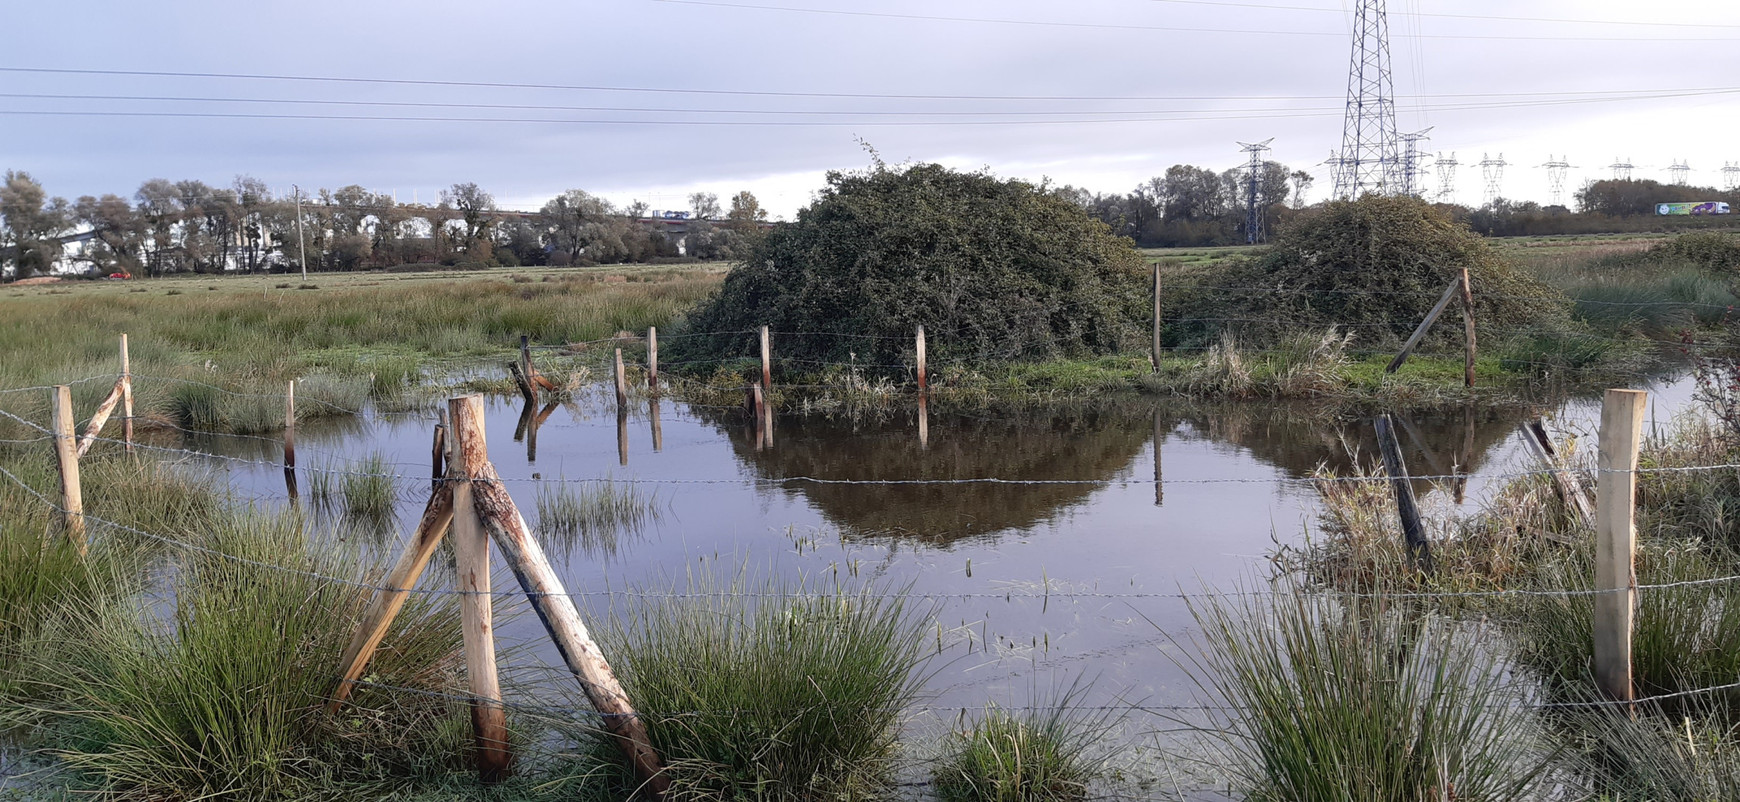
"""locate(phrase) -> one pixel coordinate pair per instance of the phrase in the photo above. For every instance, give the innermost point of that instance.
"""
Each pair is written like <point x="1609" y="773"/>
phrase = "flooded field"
<point x="1071" y="565"/>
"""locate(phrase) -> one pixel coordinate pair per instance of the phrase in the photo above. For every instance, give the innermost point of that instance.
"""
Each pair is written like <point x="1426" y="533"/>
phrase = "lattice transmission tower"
<point x="1493" y="171"/>
<point x="1253" y="189"/>
<point x="1370" y="159"/>
<point x="1730" y="176"/>
<point x="1556" y="171"/>
<point x="1680" y="171"/>
<point x="1412" y="185"/>
<point x="1446" y="175"/>
<point x="1621" y="169"/>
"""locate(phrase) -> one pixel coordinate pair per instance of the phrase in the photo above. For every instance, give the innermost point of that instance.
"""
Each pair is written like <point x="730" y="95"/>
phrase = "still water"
<point x="1033" y="585"/>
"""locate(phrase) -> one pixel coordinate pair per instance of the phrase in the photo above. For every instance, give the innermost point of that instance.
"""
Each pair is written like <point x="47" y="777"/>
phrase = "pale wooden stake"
<point x="544" y="590"/>
<point x="1413" y="531"/>
<point x="923" y="370"/>
<point x="126" y="396"/>
<point x="101" y="417"/>
<point x="290" y="440"/>
<point x="652" y="359"/>
<point x="621" y="384"/>
<point x="1431" y="317"/>
<point x="1616" y="539"/>
<point x="766" y="360"/>
<point x="437" y="515"/>
<point x="1154" y="355"/>
<point x="72" y="503"/>
<point x="471" y="562"/>
<point x="1468" y="329"/>
<point x="1566" y="485"/>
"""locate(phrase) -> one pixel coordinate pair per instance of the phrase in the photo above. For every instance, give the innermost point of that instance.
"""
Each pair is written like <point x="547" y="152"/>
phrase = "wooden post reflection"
<point x="1159" y="437"/>
<point x="1466" y="458"/>
<point x="923" y="423"/>
<point x="766" y="424"/>
<point x="532" y="430"/>
<point x="658" y="431"/>
<point x="622" y="436"/>
<point x="527" y="410"/>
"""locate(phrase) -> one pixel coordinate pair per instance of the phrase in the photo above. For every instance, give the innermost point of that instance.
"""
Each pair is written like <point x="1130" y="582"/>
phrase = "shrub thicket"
<point x="990" y="267"/>
<point x="1375" y="266"/>
<point x="1711" y="250"/>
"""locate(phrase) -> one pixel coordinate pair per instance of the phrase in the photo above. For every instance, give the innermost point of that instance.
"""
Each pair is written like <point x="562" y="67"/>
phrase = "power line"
<point x="1443" y="15"/>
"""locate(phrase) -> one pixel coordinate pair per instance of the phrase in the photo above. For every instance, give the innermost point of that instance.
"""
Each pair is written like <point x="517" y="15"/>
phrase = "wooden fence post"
<point x="524" y="382"/>
<point x="290" y="440"/>
<point x="126" y="396"/>
<point x="104" y="410"/>
<point x="1468" y="329"/>
<point x="1616" y="539"/>
<point x="72" y="503"/>
<point x="502" y="520"/>
<point x="1431" y="317"/>
<point x="1154" y="355"/>
<point x="766" y="360"/>
<point x="1565" y="482"/>
<point x="1413" y="531"/>
<point x="526" y="356"/>
<point x="652" y="359"/>
<point x="438" y="454"/>
<point x="471" y="561"/>
<point x="923" y="370"/>
<point x="621" y="385"/>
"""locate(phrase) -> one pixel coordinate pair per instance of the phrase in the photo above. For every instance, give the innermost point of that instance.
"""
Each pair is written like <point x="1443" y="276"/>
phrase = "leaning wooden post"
<point x="1413" y="531"/>
<point x="1565" y="482"/>
<point x="524" y="382"/>
<point x="502" y="520"/>
<point x="621" y="385"/>
<point x="1431" y="317"/>
<point x="72" y="503"/>
<point x="652" y="359"/>
<point x="526" y="356"/>
<point x="126" y="396"/>
<point x="1616" y="539"/>
<point x="290" y="440"/>
<point x="471" y="562"/>
<point x="101" y="417"/>
<point x="1468" y="329"/>
<point x="1154" y="355"/>
<point x="437" y="514"/>
<point x="438" y="454"/>
<point x="766" y="360"/>
<point x="923" y="369"/>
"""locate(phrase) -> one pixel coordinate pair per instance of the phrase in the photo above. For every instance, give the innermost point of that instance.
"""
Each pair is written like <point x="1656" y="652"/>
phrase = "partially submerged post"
<point x="1431" y="317"/>
<point x="290" y="440"/>
<point x="524" y="382"/>
<point x="652" y="359"/>
<point x="544" y="590"/>
<point x="72" y="505"/>
<point x="1413" y="531"/>
<point x="923" y="371"/>
<point x="766" y="360"/>
<point x="621" y="385"/>
<point x="1616" y="540"/>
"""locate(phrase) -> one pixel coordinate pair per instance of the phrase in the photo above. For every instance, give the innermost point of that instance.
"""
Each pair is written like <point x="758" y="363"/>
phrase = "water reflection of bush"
<point x="1097" y="444"/>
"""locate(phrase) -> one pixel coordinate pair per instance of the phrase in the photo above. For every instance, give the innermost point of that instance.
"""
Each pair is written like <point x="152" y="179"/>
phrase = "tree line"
<point x="193" y="227"/>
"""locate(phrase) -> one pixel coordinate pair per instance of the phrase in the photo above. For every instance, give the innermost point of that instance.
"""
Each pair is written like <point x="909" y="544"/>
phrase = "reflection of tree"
<point x="1057" y="444"/>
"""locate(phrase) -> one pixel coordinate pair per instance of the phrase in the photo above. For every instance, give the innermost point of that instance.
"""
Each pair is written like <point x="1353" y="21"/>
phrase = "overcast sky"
<point x="767" y="95"/>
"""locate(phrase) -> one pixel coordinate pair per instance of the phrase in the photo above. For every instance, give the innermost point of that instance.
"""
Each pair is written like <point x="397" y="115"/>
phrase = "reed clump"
<point x="765" y="690"/>
<point x="1043" y="754"/>
<point x="1656" y="756"/>
<point x="596" y="516"/>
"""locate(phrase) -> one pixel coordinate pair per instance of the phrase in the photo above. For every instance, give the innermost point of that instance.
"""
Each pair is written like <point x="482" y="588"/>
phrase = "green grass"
<point x="1037" y="755"/>
<point x="1337" y="699"/>
<point x="795" y="695"/>
<point x="1655" y="756"/>
<point x="370" y="493"/>
<point x="596" y="516"/>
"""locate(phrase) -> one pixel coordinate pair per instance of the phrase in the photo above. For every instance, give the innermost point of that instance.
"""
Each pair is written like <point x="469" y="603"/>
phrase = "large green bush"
<point x="992" y="268"/>
<point x="1374" y="266"/>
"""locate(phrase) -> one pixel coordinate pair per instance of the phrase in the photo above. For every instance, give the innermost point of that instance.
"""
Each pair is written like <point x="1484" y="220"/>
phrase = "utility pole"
<point x="1253" y="180"/>
<point x="1446" y="175"/>
<point x="1493" y="171"/>
<point x="1370" y="160"/>
<point x="301" y="242"/>
<point x="1411" y="185"/>
<point x="1556" y="170"/>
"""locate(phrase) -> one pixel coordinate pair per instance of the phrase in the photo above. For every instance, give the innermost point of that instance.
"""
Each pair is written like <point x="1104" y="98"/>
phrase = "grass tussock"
<point x="1340" y="699"/>
<point x="596" y="516"/>
<point x="1042" y="754"/>
<point x="218" y="695"/>
<point x="1656" y="756"/>
<point x="763" y="690"/>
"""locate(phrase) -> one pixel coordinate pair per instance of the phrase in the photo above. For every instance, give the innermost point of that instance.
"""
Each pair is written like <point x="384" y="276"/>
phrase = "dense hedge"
<point x="992" y="268"/>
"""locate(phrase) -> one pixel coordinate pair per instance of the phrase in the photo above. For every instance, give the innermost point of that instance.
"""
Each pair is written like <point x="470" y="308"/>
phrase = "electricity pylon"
<point x="1446" y="175"/>
<point x="1621" y="169"/>
<point x="1411" y="183"/>
<point x="1370" y="159"/>
<point x="1253" y="181"/>
<point x="1556" y="170"/>
<point x="1493" y="171"/>
<point x="1680" y="171"/>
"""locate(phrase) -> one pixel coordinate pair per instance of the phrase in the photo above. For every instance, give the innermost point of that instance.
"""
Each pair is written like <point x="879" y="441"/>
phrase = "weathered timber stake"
<point x="471" y="563"/>
<point x="126" y="396"/>
<point x="1468" y="329"/>
<point x="1431" y="317"/>
<point x="101" y="417"/>
<point x="524" y="382"/>
<point x="766" y="360"/>
<point x="1566" y="484"/>
<point x="1154" y="355"/>
<point x="652" y="359"/>
<point x="438" y="454"/>
<point x="544" y="590"/>
<point x="1413" y="531"/>
<point x="923" y="370"/>
<point x="72" y="503"/>
<point x="526" y="359"/>
<point x="290" y="440"/>
<point x="1616" y="539"/>
<point x="658" y="431"/>
<point x="437" y="515"/>
<point x="621" y="384"/>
